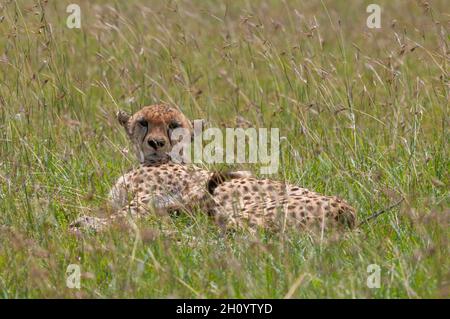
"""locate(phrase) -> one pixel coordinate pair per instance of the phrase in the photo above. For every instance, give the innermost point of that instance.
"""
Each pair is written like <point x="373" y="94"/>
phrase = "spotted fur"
<point x="264" y="203"/>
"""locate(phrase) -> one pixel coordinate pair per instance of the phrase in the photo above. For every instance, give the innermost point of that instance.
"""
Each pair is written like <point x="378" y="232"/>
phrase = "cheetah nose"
<point x="156" y="143"/>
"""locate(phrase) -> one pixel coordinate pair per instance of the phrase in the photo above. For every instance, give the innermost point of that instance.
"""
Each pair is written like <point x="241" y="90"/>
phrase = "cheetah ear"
<point x="123" y="117"/>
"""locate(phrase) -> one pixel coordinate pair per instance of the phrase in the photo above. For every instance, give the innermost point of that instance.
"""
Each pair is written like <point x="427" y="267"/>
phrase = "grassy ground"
<point x="364" y="113"/>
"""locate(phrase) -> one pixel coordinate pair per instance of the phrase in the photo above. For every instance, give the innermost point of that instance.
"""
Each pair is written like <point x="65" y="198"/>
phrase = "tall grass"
<point x="364" y="113"/>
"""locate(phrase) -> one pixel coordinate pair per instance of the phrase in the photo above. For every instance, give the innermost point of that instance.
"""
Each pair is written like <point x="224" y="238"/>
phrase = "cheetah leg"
<point x="97" y="224"/>
<point x="83" y="223"/>
<point x="135" y="209"/>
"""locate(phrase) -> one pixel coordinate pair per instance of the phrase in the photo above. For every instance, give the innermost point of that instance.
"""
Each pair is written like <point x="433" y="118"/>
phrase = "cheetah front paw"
<point x="87" y="223"/>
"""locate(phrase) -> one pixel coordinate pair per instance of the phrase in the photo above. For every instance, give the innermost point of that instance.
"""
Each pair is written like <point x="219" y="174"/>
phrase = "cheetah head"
<point x="150" y="130"/>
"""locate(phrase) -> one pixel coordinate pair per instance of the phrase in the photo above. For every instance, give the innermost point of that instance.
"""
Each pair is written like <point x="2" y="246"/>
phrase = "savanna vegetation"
<point x="363" y="114"/>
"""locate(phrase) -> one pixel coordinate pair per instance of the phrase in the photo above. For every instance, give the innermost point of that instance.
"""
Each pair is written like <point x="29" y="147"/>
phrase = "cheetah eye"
<point x="143" y="122"/>
<point x="174" y="125"/>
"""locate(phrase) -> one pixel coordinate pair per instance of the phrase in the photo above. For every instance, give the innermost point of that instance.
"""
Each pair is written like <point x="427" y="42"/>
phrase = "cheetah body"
<point x="167" y="186"/>
<point x="266" y="203"/>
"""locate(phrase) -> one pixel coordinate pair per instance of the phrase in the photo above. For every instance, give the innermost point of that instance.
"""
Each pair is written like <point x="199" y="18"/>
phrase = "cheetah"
<point x="233" y="199"/>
